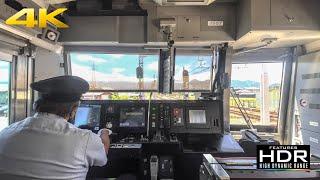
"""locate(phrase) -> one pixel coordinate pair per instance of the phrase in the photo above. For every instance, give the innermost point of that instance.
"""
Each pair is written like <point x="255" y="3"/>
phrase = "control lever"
<point x="154" y="167"/>
<point x="158" y="137"/>
<point x="129" y="139"/>
<point x="143" y="139"/>
<point x="173" y="138"/>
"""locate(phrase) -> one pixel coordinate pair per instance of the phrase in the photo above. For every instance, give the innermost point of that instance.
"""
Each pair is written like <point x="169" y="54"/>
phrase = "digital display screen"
<point x="132" y="117"/>
<point x="88" y="115"/>
<point x="178" y="116"/>
<point x="197" y="117"/>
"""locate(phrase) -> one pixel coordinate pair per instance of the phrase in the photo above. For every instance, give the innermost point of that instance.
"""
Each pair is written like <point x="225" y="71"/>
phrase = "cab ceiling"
<point x="52" y="2"/>
<point x="247" y="23"/>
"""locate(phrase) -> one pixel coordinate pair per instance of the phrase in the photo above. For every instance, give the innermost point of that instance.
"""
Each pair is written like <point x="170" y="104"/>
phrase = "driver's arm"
<point x="105" y="139"/>
<point x="97" y="149"/>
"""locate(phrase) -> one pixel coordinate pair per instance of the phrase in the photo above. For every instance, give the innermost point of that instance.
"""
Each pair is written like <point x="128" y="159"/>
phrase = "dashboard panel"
<point x="132" y="117"/>
<point x="143" y="130"/>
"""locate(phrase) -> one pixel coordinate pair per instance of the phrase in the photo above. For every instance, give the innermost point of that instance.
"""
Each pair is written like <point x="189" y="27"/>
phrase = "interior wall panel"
<point x="47" y="64"/>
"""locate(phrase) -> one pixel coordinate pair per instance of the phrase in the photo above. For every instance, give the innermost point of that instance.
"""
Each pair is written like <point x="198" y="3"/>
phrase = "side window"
<point x="258" y="88"/>
<point x="4" y="93"/>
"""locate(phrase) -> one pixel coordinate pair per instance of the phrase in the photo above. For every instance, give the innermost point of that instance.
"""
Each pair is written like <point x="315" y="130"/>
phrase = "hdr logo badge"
<point x="43" y="18"/>
<point x="283" y="157"/>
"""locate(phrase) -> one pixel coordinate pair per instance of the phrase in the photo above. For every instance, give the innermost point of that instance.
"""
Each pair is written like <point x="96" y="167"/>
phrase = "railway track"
<point x="254" y="114"/>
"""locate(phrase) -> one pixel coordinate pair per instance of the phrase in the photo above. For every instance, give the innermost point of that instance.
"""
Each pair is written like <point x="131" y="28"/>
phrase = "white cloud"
<point x="253" y="72"/>
<point x="117" y="56"/>
<point x="89" y="58"/>
<point x="117" y="70"/>
<point x="4" y="74"/>
<point x="201" y="76"/>
<point x="153" y="66"/>
<point x="85" y="72"/>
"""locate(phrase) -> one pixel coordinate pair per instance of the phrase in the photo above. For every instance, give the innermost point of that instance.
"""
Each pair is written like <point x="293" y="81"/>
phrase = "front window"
<point x="135" y="76"/>
<point x="258" y="87"/>
<point x="192" y="72"/>
<point x="4" y="93"/>
<point x="117" y="72"/>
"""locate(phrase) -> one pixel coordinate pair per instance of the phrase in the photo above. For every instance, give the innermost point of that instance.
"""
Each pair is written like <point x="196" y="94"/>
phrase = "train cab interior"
<point x="189" y="88"/>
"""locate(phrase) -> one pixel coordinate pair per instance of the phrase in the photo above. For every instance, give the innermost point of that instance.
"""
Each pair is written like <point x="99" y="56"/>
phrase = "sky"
<point x="253" y="72"/>
<point x="113" y="67"/>
<point x="120" y="67"/>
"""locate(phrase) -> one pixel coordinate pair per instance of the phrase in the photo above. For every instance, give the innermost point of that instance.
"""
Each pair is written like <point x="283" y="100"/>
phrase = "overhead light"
<point x="50" y="35"/>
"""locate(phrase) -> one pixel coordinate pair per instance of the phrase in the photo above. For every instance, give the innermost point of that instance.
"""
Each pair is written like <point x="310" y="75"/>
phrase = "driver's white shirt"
<point x="46" y="146"/>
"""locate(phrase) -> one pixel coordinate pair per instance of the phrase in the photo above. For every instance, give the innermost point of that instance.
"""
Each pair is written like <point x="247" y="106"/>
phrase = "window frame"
<point x="131" y="51"/>
<point x="263" y="128"/>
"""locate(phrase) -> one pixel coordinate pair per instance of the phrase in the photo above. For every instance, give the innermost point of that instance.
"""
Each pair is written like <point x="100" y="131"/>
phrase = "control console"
<point x="153" y="134"/>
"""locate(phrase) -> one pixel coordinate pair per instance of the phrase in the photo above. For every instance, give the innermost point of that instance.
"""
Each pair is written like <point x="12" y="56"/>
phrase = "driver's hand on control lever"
<point x="104" y="135"/>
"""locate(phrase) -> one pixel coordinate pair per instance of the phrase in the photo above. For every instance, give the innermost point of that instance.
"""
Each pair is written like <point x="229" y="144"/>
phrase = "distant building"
<point x="96" y="95"/>
<point x="248" y="98"/>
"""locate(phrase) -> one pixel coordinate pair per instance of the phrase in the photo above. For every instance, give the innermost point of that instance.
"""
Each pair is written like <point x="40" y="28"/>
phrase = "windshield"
<point x="117" y="71"/>
<point x="192" y="73"/>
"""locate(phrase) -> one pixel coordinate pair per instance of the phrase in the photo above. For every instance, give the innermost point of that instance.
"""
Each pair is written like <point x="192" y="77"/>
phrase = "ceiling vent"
<point x="183" y="2"/>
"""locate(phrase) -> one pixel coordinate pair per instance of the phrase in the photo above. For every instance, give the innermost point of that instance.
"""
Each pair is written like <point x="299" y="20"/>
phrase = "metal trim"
<point x="110" y="49"/>
<point x="214" y="167"/>
<point x="287" y="132"/>
<point x="13" y="94"/>
<point x="30" y="79"/>
<point x="67" y="63"/>
<point x="6" y="57"/>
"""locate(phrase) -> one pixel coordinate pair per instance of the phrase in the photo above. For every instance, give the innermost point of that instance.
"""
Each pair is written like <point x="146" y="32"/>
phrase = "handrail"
<point x="240" y="106"/>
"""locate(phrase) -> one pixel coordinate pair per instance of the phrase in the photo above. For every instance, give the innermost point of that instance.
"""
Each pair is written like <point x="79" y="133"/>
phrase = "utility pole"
<point x="265" y="100"/>
<point x="93" y="75"/>
<point x="140" y="73"/>
<point x="154" y="83"/>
